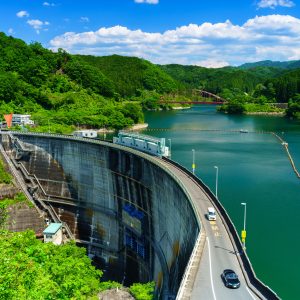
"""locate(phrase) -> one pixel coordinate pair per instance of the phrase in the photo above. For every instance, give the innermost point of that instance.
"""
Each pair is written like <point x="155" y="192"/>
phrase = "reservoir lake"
<point x="253" y="168"/>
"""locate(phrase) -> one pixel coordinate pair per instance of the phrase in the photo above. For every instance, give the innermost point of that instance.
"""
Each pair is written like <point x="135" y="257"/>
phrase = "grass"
<point x="4" y="176"/>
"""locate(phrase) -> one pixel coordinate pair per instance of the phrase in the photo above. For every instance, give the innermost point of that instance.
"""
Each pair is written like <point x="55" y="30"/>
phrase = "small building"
<point x="53" y="234"/>
<point x="142" y="142"/>
<point x="89" y="133"/>
<point x="22" y="120"/>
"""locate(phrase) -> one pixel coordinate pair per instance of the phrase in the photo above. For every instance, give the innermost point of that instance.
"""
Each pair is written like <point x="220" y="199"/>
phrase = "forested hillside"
<point x="293" y="64"/>
<point x="216" y="80"/>
<point x="249" y="89"/>
<point x="131" y="75"/>
<point x="59" y="90"/>
<point x="63" y="91"/>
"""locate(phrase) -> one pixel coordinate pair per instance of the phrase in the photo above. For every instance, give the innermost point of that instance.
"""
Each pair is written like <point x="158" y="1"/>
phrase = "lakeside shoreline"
<point x="265" y="113"/>
<point x="180" y="107"/>
<point x="135" y="127"/>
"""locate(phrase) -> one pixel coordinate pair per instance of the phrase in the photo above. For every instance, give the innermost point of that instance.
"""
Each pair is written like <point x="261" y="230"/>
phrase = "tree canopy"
<point x="30" y="269"/>
<point x="62" y="91"/>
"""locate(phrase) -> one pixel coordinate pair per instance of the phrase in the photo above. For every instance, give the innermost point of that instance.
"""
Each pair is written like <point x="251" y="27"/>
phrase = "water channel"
<point x="253" y="168"/>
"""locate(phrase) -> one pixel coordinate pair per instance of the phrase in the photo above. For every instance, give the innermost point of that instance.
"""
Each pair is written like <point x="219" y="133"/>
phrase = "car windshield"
<point x="232" y="278"/>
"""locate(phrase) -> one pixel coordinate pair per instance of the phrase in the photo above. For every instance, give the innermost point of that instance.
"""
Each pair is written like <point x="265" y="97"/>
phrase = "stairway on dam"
<point x="20" y="216"/>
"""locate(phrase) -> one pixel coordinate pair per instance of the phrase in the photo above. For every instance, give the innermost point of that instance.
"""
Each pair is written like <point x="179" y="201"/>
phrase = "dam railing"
<point x="243" y="259"/>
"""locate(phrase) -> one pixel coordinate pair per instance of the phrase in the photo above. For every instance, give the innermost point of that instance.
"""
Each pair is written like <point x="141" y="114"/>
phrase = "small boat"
<point x="244" y="131"/>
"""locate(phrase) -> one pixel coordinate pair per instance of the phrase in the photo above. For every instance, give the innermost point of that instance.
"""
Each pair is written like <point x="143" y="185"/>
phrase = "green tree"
<point x="293" y="109"/>
<point x="133" y="111"/>
<point x="89" y="77"/>
<point x="143" y="291"/>
<point x="30" y="269"/>
<point x="5" y="177"/>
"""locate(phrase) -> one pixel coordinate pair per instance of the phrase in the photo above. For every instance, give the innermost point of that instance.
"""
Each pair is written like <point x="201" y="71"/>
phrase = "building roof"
<point x="20" y="115"/>
<point x="85" y="130"/>
<point x="52" y="228"/>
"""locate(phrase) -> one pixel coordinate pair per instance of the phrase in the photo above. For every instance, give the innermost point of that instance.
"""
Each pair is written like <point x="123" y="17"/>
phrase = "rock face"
<point x="22" y="217"/>
<point x="115" y="294"/>
<point x="7" y="191"/>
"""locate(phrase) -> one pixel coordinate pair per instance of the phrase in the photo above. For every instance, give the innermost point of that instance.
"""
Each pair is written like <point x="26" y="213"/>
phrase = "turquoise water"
<point x="253" y="168"/>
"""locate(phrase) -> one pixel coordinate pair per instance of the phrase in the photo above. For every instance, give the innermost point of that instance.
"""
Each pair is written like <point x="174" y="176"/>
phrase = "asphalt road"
<point x="218" y="253"/>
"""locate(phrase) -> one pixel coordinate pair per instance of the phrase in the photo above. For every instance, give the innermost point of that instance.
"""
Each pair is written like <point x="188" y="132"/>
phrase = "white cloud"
<point x="212" y="63"/>
<point x="38" y="25"/>
<point x="84" y="19"/>
<point x="273" y="3"/>
<point x="48" y="4"/>
<point x="147" y="1"/>
<point x="275" y="37"/>
<point x="11" y="31"/>
<point x="22" y="13"/>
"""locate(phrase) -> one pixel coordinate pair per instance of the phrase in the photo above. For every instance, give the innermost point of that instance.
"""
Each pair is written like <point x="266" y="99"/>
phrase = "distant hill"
<point x="215" y="80"/>
<point x="292" y="64"/>
<point x="287" y="85"/>
<point x="130" y="74"/>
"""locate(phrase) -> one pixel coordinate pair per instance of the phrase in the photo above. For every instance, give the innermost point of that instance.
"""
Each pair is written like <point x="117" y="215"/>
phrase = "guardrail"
<point x="243" y="259"/>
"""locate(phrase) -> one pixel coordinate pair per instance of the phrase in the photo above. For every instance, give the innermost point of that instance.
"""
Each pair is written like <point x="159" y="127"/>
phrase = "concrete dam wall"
<point x="131" y="214"/>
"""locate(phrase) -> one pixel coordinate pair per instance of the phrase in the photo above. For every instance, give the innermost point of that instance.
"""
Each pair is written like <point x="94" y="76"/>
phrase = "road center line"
<point x="210" y="269"/>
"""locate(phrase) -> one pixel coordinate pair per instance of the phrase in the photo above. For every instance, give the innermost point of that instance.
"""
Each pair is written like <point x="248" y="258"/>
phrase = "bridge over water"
<point x="140" y="217"/>
<point x="211" y="99"/>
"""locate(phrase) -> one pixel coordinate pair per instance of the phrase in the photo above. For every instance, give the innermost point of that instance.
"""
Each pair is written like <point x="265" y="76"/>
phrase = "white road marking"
<point x="210" y="268"/>
<point x="250" y="293"/>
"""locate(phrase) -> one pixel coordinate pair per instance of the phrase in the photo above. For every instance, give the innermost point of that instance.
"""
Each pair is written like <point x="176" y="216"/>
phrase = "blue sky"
<point x="211" y="33"/>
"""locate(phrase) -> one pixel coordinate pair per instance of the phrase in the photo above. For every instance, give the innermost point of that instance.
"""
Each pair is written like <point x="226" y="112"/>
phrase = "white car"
<point x="211" y="215"/>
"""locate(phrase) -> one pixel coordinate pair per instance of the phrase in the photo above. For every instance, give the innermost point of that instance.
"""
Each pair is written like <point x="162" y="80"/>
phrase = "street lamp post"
<point x="193" y="164"/>
<point x="217" y="178"/>
<point x="244" y="230"/>
<point x="48" y="126"/>
<point x="170" y="150"/>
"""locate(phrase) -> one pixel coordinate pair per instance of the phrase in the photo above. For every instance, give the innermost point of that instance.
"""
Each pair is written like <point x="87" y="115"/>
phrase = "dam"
<point x="141" y="218"/>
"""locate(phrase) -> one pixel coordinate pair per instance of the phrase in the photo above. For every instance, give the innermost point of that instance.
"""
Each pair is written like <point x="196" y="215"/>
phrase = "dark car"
<point x="230" y="279"/>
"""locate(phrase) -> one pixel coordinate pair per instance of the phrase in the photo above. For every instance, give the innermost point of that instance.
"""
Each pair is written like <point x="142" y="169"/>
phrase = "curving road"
<point x="218" y="252"/>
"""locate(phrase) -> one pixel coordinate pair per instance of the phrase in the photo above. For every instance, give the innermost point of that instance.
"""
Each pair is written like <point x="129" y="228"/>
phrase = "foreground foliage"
<point x="142" y="291"/>
<point x="30" y="269"/>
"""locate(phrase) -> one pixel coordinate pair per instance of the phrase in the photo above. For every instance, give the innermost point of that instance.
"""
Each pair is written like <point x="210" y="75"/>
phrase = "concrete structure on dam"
<point x="134" y="217"/>
<point x="141" y="218"/>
